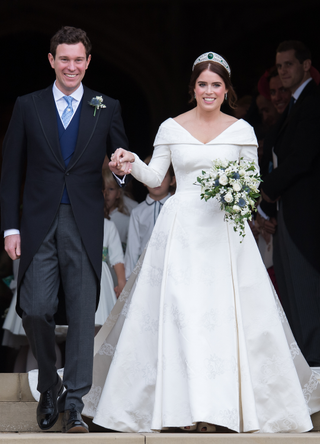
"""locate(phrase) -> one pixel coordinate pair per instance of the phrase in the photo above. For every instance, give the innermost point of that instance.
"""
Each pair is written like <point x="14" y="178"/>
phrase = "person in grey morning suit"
<point x="62" y="139"/>
<point x="294" y="182"/>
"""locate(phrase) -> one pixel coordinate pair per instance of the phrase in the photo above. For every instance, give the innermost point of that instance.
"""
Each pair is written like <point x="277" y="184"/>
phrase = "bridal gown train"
<point x="198" y="333"/>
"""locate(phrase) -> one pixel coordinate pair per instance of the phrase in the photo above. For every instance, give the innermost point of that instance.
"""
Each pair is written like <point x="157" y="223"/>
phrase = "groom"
<point x="59" y="136"/>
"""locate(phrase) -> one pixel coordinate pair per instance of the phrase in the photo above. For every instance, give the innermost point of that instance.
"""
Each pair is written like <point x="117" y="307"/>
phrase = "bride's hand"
<point x="121" y="160"/>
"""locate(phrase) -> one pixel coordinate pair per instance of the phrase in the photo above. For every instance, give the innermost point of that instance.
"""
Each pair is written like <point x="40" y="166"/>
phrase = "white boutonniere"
<point x="97" y="103"/>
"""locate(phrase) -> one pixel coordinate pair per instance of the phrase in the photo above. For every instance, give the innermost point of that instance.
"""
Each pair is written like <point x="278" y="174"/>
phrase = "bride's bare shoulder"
<point x="229" y="120"/>
<point x="184" y="118"/>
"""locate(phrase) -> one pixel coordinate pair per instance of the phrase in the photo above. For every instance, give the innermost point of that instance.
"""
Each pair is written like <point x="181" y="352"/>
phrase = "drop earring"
<point x="226" y="96"/>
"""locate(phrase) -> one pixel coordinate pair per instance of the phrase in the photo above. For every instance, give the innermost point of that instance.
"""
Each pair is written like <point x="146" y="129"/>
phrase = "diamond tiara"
<point x="212" y="57"/>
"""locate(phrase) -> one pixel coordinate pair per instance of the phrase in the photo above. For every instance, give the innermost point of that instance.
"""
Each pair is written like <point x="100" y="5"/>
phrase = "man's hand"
<point x="269" y="226"/>
<point x="267" y="198"/>
<point x="120" y="163"/>
<point x="12" y="245"/>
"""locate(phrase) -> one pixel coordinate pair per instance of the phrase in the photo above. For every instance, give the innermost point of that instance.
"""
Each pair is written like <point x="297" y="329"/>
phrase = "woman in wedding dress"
<point x="198" y="334"/>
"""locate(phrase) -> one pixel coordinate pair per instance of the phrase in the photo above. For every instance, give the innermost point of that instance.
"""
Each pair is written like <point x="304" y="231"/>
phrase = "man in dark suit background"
<point x="294" y="184"/>
<point x="62" y="140"/>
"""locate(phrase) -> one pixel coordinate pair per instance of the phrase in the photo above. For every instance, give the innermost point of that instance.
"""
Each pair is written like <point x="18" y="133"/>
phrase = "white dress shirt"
<point x="61" y="104"/>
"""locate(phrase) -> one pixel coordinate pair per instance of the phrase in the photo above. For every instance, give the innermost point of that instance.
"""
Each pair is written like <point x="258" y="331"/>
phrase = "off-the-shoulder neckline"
<point x="210" y="141"/>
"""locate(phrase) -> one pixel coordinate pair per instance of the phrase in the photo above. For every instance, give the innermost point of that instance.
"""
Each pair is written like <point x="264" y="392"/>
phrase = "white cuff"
<point x="10" y="232"/>
<point x="120" y="181"/>
<point x="262" y="213"/>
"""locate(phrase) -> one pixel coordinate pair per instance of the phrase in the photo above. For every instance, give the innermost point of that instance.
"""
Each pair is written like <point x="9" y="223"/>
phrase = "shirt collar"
<point x="298" y="91"/>
<point x="76" y="95"/>
<point x="150" y="201"/>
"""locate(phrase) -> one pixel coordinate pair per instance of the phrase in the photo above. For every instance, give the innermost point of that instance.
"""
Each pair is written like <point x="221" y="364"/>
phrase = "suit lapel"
<point x="46" y="111"/>
<point x="286" y="119"/>
<point x="87" y="125"/>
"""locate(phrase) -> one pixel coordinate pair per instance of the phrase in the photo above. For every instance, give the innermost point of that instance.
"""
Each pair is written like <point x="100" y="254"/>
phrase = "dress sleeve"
<point x="114" y="247"/>
<point x="249" y="148"/>
<point x="153" y="174"/>
<point x="249" y="154"/>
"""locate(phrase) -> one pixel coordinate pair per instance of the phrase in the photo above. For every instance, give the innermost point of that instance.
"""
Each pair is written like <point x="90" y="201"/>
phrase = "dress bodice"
<point x="189" y="156"/>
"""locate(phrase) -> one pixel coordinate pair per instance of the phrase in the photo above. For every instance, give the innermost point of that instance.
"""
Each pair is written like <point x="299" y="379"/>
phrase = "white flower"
<point x="228" y="197"/>
<point x="236" y="208"/>
<point x="242" y="172"/>
<point x="96" y="102"/>
<point x="236" y="186"/>
<point x="225" y="163"/>
<point x="223" y="179"/>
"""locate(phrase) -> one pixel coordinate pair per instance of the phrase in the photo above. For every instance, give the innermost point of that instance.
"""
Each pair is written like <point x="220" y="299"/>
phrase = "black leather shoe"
<point x="72" y="422"/>
<point x="47" y="410"/>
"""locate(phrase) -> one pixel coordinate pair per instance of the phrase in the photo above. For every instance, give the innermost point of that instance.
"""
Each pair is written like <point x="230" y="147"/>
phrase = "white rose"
<point x="242" y="172"/>
<point x="223" y="179"/>
<point x="236" y="186"/>
<point x="224" y="163"/>
<point x="236" y="208"/>
<point x="228" y="197"/>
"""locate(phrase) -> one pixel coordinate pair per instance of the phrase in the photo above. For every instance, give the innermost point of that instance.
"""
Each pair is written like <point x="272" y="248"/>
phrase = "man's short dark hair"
<point x="70" y="36"/>
<point x="273" y="73"/>
<point x="301" y="52"/>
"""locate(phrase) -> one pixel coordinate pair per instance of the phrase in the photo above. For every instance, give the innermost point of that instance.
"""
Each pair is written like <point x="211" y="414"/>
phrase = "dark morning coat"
<point x="297" y="178"/>
<point x="32" y="140"/>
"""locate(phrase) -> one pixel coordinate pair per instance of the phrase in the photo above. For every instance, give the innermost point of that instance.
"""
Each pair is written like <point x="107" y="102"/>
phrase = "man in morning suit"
<point x="62" y="140"/>
<point x="294" y="184"/>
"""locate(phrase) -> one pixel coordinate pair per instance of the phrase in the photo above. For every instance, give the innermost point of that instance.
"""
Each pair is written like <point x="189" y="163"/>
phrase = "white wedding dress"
<point x="198" y="333"/>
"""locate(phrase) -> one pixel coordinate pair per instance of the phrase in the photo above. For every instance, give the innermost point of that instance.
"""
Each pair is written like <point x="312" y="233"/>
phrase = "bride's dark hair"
<point x="217" y="69"/>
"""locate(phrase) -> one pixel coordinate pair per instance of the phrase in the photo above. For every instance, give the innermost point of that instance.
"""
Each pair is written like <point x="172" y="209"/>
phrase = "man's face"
<point x="292" y="73"/>
<point x="70" y="64"/>
<point x="280" y="96"/>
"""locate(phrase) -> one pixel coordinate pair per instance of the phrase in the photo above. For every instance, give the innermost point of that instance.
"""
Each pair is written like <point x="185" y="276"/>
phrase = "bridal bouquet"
<point x="235" y="185"/>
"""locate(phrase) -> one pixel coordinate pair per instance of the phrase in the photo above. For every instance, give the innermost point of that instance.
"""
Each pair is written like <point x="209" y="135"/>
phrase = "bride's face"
<point x="209" y="90"/>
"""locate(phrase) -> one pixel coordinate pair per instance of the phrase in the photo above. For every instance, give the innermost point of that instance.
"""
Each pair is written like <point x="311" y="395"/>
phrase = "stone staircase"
<point x="18" y="425"/>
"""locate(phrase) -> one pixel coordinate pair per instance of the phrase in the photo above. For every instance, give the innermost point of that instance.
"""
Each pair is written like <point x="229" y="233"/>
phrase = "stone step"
<point x="162" y="438"/>
<point x="55" y="438"/>
<point x="18" y="414"/>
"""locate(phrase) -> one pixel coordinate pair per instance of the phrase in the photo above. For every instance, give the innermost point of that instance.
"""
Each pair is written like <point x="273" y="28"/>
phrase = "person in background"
<point x="114" y="207"/>
<point x="279" y="95"/>
<point x="242" y="107"/>
<point x="291" y="183"/>
<point x="112" y="257"/>
<point x="143" y="219"/>
<point x="268" y="112"/>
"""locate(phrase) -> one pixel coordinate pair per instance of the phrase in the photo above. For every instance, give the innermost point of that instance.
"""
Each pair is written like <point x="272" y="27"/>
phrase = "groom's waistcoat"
<point x="68" y="139"/>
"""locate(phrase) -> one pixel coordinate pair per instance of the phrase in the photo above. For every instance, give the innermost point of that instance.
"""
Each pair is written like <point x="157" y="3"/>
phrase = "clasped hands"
<point x="120" y="163"/>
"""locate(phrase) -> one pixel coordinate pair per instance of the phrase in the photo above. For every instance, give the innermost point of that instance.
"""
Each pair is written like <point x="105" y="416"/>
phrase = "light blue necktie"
<point x="67" y="112"/>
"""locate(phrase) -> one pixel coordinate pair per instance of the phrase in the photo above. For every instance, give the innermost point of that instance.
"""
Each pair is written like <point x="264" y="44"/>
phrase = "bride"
<point x="198" y="338"/>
